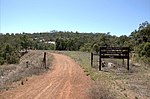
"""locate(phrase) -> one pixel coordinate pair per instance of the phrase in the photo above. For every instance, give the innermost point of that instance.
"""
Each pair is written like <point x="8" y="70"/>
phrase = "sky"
<point x="119" y="17"/>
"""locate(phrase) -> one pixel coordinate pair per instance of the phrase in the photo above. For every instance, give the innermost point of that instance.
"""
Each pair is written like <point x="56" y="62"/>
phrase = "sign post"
<point x="114" y="52"/>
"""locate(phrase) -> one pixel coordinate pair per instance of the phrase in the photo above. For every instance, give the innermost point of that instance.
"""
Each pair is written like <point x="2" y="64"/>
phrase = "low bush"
<point x="15" y="72"/>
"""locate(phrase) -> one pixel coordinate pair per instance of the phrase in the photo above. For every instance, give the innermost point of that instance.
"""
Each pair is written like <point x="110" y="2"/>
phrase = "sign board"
<point x="114" y="52"/>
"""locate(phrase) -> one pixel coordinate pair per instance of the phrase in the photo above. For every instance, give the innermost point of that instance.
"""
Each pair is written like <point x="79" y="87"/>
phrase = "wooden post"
<point x="128" y="60"/>
<point x="44" y="59"/>
<point x="128" y="64"/>
<point x="27" y="64"/>
<point x="99" y="59"/>
<point x="91" y="59"/>
<point x="122" y="62"/>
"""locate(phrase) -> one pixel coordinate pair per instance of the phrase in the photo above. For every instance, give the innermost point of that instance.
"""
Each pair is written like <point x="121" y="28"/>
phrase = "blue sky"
<point x="119" y="17"/>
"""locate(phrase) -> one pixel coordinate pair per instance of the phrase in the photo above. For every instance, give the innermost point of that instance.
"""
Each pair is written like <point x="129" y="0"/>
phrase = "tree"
<point x="60" y="44"/>
<point x="25" y="42"/>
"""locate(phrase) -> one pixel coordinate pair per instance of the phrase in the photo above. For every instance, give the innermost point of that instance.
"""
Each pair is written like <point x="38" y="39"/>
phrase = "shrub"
<point x="2" y="61"/>
<point x="146" y="49"/>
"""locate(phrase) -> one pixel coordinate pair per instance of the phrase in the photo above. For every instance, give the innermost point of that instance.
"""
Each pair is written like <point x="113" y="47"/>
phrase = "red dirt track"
<point x="67" y="80"/>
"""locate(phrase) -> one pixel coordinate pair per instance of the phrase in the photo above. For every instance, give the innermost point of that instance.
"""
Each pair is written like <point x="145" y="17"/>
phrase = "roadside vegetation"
<point x="116" y="82"/>
<point x="30" y="64"/>
<point x="12" y="44"/>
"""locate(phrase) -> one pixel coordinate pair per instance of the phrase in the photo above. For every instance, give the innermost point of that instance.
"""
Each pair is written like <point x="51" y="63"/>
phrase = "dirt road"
<point x="67" y="80"/>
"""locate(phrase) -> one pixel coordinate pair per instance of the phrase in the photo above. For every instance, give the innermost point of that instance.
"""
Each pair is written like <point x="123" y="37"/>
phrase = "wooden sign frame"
<point x="115" y="53"/>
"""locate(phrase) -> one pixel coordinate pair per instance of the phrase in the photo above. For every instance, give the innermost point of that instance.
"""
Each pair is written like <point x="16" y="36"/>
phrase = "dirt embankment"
<point x="30" y="64"/>
<point x="67" y="80"/>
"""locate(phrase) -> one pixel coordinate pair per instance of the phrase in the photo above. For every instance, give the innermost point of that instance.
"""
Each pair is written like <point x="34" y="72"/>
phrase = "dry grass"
<point x="100" y="90"/>
<point x="15" y="72"/>
<point x="132" y="84"/>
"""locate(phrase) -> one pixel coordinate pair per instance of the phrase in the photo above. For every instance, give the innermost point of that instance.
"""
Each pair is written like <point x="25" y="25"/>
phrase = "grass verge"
<point x="30" y="64"/>
<point x="133" y="84"/>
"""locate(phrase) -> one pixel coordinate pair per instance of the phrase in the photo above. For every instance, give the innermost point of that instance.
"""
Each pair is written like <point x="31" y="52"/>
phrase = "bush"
<point x="146" y="49"/>
<point x="2" y="61"/>
<point x="12" y="58"/>
<point x="8" y="54"/>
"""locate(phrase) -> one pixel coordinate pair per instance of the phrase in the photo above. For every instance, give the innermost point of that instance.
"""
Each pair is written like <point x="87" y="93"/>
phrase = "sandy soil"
<point x="67" y="80"/>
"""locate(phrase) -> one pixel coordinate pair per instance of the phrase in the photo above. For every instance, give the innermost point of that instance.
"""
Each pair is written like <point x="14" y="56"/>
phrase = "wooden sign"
<point x="114" y="52"/>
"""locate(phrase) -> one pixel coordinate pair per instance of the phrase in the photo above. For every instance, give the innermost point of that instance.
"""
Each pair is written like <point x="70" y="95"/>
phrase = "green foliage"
<point x="86" y="48"/>
<point x="146" y="50"/>
<point x="25" y="42"/>
<point x="9" y="55"/>
<point x="71" y="44"/>
<point x="2" y="61"/>
<point x="60" y="44"/>
<point x="138" y="42"/>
